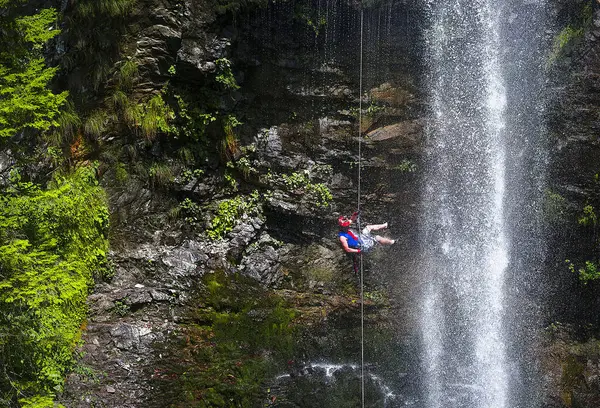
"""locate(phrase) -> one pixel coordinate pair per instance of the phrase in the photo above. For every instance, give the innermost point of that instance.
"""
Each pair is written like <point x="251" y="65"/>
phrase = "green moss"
<point x="571" y="35"/>
<point x="571" y="378"/>
<point x="240" y="332"/>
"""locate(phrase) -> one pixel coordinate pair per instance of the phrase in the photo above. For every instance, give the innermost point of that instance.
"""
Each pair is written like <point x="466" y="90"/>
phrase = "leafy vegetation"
<point x="230" y="211"/>
<point x="300" y="183"/>
<point x="53" y="242"/>
<point x="311" y="18"/>
<point x="26" y="101"/>
<point x="225" y="75"/>
<point x="590" y="270"/>
<point x="406" y="166"/>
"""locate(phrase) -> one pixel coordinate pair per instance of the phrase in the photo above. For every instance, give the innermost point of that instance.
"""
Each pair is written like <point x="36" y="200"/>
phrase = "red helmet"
<point x="343" y="221"/>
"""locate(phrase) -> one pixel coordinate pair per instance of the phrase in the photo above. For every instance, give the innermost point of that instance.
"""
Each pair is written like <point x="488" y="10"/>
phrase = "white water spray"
<point x="465" y="356"/>
<point x="481" y="54"/>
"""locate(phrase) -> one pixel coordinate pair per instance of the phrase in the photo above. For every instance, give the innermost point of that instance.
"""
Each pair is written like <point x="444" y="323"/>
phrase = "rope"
<point x="362" y="304"/>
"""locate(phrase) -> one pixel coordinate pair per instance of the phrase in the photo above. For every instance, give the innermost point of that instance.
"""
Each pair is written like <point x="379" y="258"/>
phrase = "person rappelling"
<point x="363" y="241"/>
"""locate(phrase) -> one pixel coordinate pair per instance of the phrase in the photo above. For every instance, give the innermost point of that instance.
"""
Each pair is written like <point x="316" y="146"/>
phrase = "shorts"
<point x="366" y="240"/>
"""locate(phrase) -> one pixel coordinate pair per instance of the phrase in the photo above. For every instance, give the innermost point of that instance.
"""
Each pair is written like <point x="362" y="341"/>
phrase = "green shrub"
<point x="26" y="102"/>
<point x="406" y="166"/>
<point x="52" y="242"/>
<point x="589" y="218"/>
<point x="300" y="183"/>
<point x="230" y="211"/>
<point x="225" y="75"/>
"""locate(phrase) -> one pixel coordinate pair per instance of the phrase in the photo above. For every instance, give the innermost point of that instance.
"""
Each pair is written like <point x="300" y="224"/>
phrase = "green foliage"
<point x="95" y="124"/>
<point x="156" y="117"/>
<point x="589" y="272"/>
<point x="190" y="124"/>
<point x="26" y="102"/>
<point x="191" y="211"/>
<point x="95" y="41"/>
<point x="39" y="402"/>
<point x="312" y="18"/>
<point x="225" y="75"/>
<point x="406" y="166"/>
<point x="188" y="175"/>
<point x="128" y="73"/>
<point x="299" y="183"/>
<point x="121" y="175"/>
<point x="148" y="118"/>
<point x="69" y="122"/>
<point x="554" y="206"/>
<point x="120" y="309"/>
<point x="229" y="144"/>
<point x="161" y="175"/>
<point x="230" y="211"/>
<point x="589" y="218"/>
<point x="52" y="242"/>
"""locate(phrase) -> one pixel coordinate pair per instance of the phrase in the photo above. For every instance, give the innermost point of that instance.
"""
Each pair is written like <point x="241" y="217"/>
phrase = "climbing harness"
<point x="362" y="304"/>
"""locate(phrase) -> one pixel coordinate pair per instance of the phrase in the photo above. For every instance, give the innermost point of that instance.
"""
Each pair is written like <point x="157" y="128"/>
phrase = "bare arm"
<point x="344" y="242"/>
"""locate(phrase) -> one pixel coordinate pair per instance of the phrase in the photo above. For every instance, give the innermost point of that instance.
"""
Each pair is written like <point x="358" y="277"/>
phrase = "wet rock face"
<point x="573" y="126"/>
<point x="298" y="102"/>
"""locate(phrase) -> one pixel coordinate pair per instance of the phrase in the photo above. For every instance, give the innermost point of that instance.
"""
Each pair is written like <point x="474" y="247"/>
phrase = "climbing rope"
<point x="362" y="304"/>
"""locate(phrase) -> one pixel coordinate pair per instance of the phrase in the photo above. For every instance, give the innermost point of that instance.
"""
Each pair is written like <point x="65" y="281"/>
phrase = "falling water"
<point x="467" y="236"/>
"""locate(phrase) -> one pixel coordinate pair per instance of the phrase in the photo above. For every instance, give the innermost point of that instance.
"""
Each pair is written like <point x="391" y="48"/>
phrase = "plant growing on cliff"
<point x="229" y="144"/>
<point x="311" y="18"/>
<point x="225" y="75"/>
<point x="26" y="102"/>
<point x="52" y="242"/>
<point x="406" y="166"/>
<point x="590" y="270"/>
<point x="230" y="211"/>
<point x="95" y="39"/>
<point x="300" y="183"/>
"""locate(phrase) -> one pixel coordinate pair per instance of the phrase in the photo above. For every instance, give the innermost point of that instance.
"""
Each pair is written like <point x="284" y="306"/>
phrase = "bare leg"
<point x="384" y="241"/>
<point x="375" y="227"/>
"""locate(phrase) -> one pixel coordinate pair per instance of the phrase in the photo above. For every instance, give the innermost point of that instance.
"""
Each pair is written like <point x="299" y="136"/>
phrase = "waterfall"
<point x="467" y="237"/>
